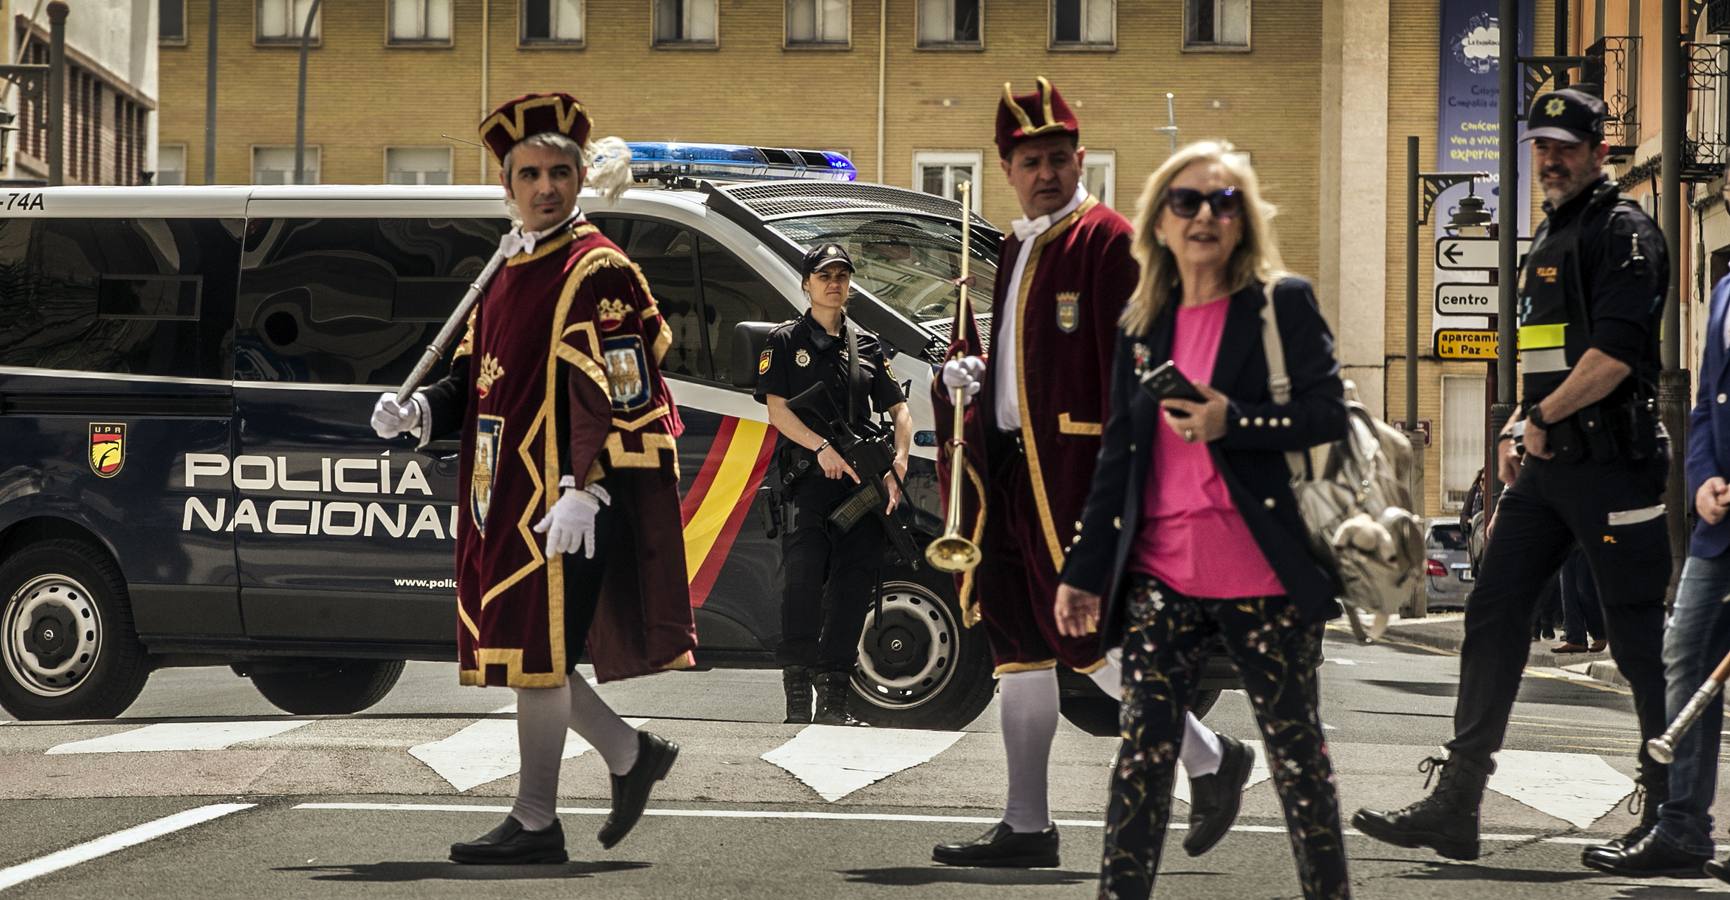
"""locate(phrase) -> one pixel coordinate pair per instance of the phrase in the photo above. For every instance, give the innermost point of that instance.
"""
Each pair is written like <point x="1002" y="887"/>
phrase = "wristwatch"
<point x="1535" y="415"/>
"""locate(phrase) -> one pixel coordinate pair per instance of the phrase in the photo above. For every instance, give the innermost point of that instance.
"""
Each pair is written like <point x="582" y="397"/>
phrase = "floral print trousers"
<point x="1168" y="639"/>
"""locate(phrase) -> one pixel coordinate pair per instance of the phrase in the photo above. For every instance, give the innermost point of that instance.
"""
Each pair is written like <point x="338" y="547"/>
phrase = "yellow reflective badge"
<point x="107" y="448"/>
<point x="763" y="362"/>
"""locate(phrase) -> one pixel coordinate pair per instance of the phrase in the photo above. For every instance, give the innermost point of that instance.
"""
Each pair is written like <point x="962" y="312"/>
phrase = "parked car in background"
<point x="1447" y="566"/>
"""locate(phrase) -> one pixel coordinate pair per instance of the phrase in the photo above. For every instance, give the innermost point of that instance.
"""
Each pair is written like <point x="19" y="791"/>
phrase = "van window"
<point x="352" y="301"/>
<point x="667" y="255"/>
<point x="150" y="297"/>
<point x="732" y="293"/>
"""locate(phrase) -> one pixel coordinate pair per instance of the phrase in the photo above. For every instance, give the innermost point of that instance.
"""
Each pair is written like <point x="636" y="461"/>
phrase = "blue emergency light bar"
<point x="657" y="159"/>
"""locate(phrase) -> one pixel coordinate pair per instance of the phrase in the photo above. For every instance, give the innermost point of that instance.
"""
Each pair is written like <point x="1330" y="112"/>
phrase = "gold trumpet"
<point x="951" y="552"/>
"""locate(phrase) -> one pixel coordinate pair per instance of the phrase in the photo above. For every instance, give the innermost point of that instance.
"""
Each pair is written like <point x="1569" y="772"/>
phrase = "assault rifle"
<point x="872" y="456"/>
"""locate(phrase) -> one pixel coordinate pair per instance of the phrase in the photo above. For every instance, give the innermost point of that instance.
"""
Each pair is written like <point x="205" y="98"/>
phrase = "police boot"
<point x="1445" y="821"/>
<point x="796" y="680"/>
<point x="832" y="691"/>
<point x="1651" y="790"/>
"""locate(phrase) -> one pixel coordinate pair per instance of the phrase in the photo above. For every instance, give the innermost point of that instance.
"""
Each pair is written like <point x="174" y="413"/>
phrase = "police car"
<point x="187" y="476"/>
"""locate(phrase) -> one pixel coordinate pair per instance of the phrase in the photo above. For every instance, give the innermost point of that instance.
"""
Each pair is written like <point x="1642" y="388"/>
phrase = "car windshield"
<point x="908" y="261"/>
<point x="1448" y="537"/>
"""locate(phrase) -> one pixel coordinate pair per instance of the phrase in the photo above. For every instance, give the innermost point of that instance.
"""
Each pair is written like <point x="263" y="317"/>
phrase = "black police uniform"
<point x="1595" y="279"/>
<point x="820" y="628"/>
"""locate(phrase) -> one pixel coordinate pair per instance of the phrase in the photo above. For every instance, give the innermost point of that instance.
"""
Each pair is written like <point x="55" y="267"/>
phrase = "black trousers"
<point x="1613" y="511"/>
<point x="1168" y="639"/>
<point x="827" y="579"/>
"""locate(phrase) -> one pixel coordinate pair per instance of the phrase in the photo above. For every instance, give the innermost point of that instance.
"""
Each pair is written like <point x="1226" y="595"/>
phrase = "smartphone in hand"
<point x="1166" y="382"/>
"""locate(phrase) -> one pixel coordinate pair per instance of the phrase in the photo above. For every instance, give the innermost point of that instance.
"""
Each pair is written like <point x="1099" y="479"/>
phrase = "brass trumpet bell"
<point x="952" y="553"/>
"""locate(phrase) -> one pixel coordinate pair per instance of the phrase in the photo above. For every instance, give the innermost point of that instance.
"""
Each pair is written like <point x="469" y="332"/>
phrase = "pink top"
<point x="1192" y="537"/>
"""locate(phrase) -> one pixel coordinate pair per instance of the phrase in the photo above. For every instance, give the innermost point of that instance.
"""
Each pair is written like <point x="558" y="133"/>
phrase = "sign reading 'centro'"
<point x="1456" y="299"/>
<point x="1466" y="343"/>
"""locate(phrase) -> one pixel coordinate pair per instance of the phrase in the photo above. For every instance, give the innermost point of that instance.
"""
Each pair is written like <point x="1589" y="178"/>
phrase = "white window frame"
<point x="951" y="43"/>
<point x="1107" y="160"/>
<point x="392" y="39"/>
<point x="523" y="40"/>
<point x="685" y="41"/>
<point x="1470" y="431"/>
<point x="169" y="148"/>
<point x="1086" y="45"/>
<point x="788" y="42"/>
<point x="297" y="14"/>
<point x="314" y="162"/>
<point x="449" y="169"/>
<point x="1218" y="10"/>
<point x="950" y="158"/>
<point x="178" y="40"/>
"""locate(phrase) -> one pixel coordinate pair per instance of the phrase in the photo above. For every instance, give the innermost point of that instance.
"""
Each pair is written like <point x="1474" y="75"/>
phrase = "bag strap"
<point x="852" y="368"/>
<point x="1278" y="382"/>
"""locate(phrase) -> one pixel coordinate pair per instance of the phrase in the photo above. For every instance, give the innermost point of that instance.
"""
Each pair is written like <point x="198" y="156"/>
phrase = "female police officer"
<point x="827" y="576"/>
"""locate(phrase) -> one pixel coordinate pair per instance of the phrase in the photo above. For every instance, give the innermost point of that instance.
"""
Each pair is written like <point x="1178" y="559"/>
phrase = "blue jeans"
<point x="1698" y="637"/>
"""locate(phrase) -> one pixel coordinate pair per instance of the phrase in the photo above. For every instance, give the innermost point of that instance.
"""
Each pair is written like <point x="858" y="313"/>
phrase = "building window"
<point x="552" y="21"/>
<point x="1216" y="23"/>
<point x="417" y="165"/>
<point x="685" y="22"/>
<point x="171" y="164"/>
<point x="1099" y="173"/>
<point x="275" y="165"/>
<point x="949" y="23"/>
<point x="817" y="22"/>
<point x="171" y="21"/>
<point x="281" y="21"/>
<point x="940" y="172"/>
<point x="420" y="21"/>
<point x="1463" y="417"/>
<point x="1084" y="23"/>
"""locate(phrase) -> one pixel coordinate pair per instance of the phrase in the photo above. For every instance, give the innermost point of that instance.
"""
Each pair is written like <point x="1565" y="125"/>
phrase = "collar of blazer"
<point x="1240" y="342"/>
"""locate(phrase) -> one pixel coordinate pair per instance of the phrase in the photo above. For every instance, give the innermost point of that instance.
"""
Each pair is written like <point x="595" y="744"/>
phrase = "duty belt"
<point x="1543" y="348"/>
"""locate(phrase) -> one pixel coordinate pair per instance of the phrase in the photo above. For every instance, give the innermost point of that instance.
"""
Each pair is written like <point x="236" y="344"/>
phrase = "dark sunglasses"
<point x="1185" y="203"/>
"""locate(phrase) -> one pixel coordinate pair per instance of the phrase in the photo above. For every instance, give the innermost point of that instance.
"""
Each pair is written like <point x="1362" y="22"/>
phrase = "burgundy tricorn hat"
<point x="1023" y="116"/>
<point x="530" y="115"/>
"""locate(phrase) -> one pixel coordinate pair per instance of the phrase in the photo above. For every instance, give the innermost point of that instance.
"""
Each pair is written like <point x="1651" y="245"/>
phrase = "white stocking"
<point x="1200" y="752"/>
<point x="541" y="715"/>
<point x="591" y="717"/>
<point x="1029" y="714"/>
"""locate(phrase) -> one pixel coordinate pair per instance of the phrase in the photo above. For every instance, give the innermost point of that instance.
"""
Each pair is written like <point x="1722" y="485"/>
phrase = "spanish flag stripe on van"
<point x="703" y="581"/>
<point x="715" y="507"/>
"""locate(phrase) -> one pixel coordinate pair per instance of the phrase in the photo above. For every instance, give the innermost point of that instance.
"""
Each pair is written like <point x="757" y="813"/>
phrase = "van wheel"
<point x="66" y="637"/>
<point x="328" y="687"/>
<point x="918" y="668"/>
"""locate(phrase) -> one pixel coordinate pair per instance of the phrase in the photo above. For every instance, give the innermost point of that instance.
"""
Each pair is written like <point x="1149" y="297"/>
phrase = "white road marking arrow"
<point x="835" y="760"/>
<point x="487" y="751"/>
<point x="1257" y="773"/>
<point x="1578" y="788"/>
<point x="181" y="736"/>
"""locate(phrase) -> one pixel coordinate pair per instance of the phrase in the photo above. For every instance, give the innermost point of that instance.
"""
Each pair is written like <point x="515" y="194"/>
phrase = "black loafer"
<point x="1649" y="857"/>
<point x="1002" y="848"/>
<point x="1214" y="799"/>
<point x="512" y="844"/>
<point x="1718" y="870"/>
<point x="655" y="757"/>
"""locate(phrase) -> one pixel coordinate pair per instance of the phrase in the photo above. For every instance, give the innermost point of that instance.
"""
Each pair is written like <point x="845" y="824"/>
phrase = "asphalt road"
<point x="280" y="806"/>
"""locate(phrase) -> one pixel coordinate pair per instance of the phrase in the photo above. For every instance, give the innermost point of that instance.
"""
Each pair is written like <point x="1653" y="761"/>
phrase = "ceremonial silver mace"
<point x="1663" y="747"/>
<point x="435" y="351"/>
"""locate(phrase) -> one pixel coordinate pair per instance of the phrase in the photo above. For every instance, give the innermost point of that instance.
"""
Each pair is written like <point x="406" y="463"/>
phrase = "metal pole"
<point x="1673" y="380"/>
<point x="57" y="92"/>
<point x="300" y="98"/>
<point x="1412" y="292"/>
<point x="210" y="95"/>
<point x="1508" y="222"/>
<point x="1561" y="42"/>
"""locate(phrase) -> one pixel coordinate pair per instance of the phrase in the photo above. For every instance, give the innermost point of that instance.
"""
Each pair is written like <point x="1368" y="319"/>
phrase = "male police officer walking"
<point x="1591" y="292"/>
<point x="820" y="628"/>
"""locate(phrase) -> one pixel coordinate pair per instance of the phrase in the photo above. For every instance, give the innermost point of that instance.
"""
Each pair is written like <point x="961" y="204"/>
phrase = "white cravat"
<point x="518" y="241"/>
<point x="1008" y="397"/>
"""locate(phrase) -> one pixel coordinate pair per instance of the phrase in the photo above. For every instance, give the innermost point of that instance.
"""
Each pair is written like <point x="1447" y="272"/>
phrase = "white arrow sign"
<point x="1475" y="252"/>
<point x="1456" y="299"/>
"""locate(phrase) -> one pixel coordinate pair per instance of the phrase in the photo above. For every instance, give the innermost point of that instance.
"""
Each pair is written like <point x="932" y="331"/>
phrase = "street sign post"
<point x="1466" y="343"/>
<point x="1460" y="299"/>
<point x="1474" y="252"/>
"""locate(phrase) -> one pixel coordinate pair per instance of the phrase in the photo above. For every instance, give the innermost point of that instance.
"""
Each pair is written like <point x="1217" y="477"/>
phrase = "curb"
<point x="1448" y="633"/>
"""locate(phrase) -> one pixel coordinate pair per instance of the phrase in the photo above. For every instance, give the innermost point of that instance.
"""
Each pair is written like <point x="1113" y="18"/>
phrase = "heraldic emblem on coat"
<point x="489" y="430"/>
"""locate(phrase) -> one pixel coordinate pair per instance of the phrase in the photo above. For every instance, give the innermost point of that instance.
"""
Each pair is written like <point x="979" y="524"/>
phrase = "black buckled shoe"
<point x="1649" y="857"/>
<point x="1718" y="870"/>
<point x="1445" y="821"/>
<point x="631" y="790"/>
<point x="1000" y="847"/>
<point x="1214" y="799"/>
<point x="512" y="844"/>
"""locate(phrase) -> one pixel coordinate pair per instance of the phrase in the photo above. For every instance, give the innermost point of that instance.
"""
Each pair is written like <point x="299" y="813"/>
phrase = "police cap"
<point x="1570" y="115"/>
<point x="824" y="255"/>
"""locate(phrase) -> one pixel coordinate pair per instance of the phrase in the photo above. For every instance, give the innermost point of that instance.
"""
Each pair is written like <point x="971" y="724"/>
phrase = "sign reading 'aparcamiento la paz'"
<point x="1466" y="343"/>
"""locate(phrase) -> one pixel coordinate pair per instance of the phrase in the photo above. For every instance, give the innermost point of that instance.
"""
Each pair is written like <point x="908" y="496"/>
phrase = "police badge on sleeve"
<point x="489" y="433"/>
<point x="627" y="371"/>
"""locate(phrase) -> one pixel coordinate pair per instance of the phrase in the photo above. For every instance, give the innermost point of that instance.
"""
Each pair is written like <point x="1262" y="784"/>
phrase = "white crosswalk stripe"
<point x="1578" y="788"/>
<point x="180" y="736"/>
<point x="835" y="760"/>
<point x="486" y="751"/>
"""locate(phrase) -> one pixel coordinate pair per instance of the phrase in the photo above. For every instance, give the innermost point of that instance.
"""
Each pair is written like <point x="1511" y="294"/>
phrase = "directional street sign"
<point x="1474" y="252"/>
<point x="1456" y="299"/>
<point x="1466" y="343"/>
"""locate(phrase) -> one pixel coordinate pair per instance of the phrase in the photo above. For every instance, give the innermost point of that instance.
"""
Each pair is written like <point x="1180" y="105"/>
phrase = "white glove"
<point x="570" y="524"/>
<point x="964" y="372"/>
<point x="390" y="418"/>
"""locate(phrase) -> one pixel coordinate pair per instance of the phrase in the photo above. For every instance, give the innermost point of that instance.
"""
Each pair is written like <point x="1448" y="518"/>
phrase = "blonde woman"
<point x="1211" y="543"/>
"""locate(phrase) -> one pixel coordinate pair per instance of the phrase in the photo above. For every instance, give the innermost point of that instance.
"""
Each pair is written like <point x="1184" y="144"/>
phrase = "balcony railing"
<point x="1610" y="62"/>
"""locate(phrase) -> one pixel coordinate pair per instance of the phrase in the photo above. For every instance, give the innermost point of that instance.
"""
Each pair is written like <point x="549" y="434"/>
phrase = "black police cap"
<point x="1569" y="114"/>
<point x="825" y="254"/>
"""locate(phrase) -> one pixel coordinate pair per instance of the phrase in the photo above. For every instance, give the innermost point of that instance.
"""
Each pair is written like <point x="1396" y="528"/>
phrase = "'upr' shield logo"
<point x="489" y="433"/>
<point x="107" y="448"/>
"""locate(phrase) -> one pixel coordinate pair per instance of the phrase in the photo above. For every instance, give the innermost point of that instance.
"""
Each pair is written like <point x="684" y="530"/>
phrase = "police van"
<point x="188" y="477"/>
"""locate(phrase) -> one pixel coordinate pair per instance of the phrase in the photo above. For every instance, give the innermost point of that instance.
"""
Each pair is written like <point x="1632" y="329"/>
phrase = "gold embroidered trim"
<point x="1066" y="425"/>
<point x="1012" y="668"/>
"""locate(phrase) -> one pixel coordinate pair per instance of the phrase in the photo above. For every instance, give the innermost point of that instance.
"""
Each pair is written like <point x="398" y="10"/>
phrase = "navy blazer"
<point x="1709" y="427"/>
<point x="1250" y="456"/>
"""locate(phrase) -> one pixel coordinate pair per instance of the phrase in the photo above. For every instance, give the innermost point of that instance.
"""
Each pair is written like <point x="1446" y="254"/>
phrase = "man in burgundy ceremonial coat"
<point x="1036" y="410"/>
<point x="568" y="433"/>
